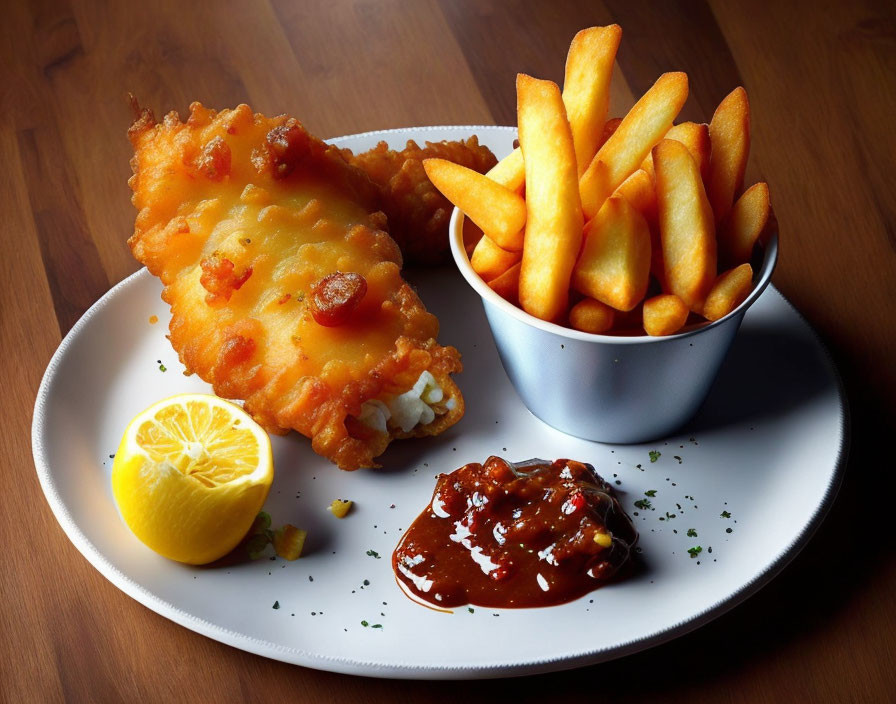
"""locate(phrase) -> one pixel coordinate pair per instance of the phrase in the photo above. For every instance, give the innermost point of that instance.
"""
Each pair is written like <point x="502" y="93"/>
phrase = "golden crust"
<point x="239" y="215"/>
<point x="418" y="212"/>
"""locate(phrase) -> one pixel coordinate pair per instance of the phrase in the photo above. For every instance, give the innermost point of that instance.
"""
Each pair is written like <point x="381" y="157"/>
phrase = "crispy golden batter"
<point x="418" y="213"/>
<point x="240" y="216"/>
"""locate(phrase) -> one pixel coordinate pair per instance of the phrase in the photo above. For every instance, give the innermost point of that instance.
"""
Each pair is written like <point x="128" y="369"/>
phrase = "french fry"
<point x="687" y="230"/>
<point x="490" y="261"/>
<point x="589" y="315"/>
<point x="729" y="132"/>
<point x="623" y="153"/>
<point x="586" y="87"/>
<point x="661" y="203"/>
<point x="693" y="135"/>
<point x="500" y="212"/>
<point x="748" y="220"/>
<point x="638" y="190"/>
<point x="728" y="292"/>
<point x="507" y="285"/>
<point x="665" y="314"/>
<point x="554" y="213"/>
<point x="510" y="172"/>
<point x="610" y="126"/>
<point x="614" y="266"/>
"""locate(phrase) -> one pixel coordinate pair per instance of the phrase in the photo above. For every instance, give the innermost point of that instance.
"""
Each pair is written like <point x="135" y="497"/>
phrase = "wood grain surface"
<point x="822" y="83"/>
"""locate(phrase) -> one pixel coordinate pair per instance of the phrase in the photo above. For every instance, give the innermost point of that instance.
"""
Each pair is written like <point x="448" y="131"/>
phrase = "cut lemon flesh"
<point x="190" y="475"/>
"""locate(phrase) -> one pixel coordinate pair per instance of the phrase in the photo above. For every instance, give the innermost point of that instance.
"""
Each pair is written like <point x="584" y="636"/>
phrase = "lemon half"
<point x="190" y="476"/>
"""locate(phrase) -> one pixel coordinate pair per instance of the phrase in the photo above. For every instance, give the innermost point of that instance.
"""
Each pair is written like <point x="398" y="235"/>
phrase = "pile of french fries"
<point x="615" y="225"/>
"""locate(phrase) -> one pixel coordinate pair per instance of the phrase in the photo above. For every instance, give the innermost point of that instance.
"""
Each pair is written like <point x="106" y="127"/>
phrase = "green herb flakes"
<point x="373" y="553"/>
<point x="654" y="455"/>
<point x="694" y="551"/>
<point x="642" y="504"/>
<point x="692" y="533"/>
<point x="256" y="546"/>
<point x="276" y="605"/>
<point x="651" y="493"/>
<point x="262" y="521"/>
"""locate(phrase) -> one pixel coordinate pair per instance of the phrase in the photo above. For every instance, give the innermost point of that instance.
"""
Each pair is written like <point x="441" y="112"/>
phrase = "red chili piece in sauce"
<point x="524" y="535"/>
<point x="335" y="297"/>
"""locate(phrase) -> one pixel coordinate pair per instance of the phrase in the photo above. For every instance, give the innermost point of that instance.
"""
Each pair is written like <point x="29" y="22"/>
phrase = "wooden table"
<point x="822" y="83"/>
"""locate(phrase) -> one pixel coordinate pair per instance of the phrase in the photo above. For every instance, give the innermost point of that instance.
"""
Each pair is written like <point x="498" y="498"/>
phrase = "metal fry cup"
<point x="608" y="388"/>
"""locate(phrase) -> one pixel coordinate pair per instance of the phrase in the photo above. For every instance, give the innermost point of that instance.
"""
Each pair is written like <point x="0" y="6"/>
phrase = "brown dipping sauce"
<point x="502" y="535"/>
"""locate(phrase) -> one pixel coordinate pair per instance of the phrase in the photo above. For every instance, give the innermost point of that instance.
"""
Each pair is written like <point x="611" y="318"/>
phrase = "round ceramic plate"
<point x="729" y="500"/>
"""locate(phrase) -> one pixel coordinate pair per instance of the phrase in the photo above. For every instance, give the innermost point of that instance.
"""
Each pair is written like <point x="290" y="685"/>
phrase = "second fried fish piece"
<point x="418" y="212"/>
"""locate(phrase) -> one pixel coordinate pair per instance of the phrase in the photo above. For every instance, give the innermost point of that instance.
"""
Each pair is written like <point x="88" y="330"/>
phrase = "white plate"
<point x="767" y="447"/>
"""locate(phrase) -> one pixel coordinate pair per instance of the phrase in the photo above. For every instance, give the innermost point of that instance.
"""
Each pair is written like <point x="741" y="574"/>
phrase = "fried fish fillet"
<point x="285" y="290"/>
<point x="418" y="212"/>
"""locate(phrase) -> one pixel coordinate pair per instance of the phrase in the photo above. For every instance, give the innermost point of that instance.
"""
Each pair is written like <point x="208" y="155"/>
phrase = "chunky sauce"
<point x="514" y="535"/>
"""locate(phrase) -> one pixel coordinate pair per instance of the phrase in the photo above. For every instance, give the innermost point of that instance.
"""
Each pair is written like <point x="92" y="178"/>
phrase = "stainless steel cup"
<point x="602" y="387"/>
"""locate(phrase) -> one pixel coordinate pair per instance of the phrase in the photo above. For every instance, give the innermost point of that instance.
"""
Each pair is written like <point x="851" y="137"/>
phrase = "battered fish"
<point x="418" y="212"/>
<point x="285" y="290"/>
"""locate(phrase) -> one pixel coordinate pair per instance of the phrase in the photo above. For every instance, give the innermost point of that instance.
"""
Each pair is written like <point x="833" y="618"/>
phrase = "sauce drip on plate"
<point x="508" y="535"/>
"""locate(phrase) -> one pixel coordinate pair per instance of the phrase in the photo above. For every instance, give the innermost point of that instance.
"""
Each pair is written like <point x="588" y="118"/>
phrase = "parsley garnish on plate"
<point x="643" y="504"/>
<point x="650" y="492"/>
<point x="694" y="551"/>
<point x="373" y="553"/>
<point x="692" y="533"/>
<point x="725" y="514"/>
<point x="654" y="455"/>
